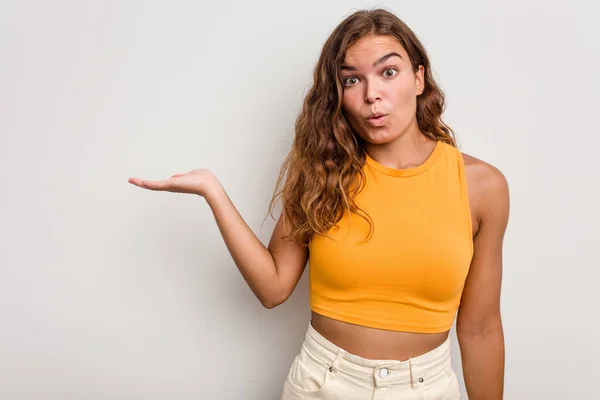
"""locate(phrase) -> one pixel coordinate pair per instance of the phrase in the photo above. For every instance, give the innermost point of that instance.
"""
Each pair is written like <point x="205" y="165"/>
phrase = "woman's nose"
<point x="372" y="92"/>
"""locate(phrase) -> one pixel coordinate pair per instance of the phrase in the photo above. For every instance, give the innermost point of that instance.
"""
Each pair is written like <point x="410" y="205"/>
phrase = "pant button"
<point x="383" y="372"/>
<point x="421" y="380"/>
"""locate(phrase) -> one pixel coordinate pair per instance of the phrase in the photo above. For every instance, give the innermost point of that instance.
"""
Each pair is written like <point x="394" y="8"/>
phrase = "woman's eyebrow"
<point x="346" y="67"/>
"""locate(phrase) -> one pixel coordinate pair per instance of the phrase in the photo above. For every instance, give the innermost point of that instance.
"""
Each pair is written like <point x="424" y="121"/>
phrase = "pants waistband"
<point x="384" y="372"/>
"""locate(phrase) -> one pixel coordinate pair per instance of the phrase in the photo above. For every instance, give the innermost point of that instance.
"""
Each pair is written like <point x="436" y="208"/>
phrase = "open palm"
<point x="194" y="182"/>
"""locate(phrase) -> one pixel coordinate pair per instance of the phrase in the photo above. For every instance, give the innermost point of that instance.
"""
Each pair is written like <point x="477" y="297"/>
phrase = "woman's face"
<point x="380" y="89"/>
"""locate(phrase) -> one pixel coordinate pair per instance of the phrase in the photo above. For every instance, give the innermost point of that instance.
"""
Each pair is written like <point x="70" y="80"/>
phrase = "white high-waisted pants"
<point x="324" y="371"/>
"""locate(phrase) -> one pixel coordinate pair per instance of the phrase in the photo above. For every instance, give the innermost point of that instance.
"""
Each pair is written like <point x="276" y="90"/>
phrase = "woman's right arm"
<point x="271" y="272"/>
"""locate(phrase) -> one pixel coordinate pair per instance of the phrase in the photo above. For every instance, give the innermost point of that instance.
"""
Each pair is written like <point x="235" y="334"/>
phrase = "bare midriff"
<point x="376" y="344"/>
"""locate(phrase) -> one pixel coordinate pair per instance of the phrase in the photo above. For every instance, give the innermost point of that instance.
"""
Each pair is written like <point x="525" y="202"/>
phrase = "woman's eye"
<point x="390" y="72"/>
<point x="351" y="80"/>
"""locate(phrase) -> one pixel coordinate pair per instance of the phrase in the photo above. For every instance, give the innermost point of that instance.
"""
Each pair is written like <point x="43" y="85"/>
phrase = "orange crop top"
<point x="410" y="274"/>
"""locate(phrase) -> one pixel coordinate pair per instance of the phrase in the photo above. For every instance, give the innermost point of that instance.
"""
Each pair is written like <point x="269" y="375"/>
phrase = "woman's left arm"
<point x="479" y="323"/>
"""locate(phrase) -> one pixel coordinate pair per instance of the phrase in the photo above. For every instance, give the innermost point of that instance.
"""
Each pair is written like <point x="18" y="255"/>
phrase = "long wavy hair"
<point x="323" y="171"/>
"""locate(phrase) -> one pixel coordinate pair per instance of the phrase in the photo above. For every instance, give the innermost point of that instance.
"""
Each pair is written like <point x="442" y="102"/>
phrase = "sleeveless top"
<point x="410" y="274"/>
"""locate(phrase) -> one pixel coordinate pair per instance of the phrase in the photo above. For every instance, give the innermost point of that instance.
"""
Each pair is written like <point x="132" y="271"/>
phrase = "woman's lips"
<point x="377" y="121"/>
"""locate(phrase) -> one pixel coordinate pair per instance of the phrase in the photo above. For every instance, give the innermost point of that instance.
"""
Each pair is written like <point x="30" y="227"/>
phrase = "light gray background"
<point x="108" y="291"/>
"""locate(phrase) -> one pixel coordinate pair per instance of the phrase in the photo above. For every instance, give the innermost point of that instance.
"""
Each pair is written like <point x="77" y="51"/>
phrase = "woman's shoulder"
<point x="482" y="173"/>
<point x="487" y="186"/>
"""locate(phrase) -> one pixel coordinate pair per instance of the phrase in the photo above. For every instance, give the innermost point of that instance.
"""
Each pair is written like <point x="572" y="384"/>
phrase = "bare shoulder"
<point x="488" y="189"/>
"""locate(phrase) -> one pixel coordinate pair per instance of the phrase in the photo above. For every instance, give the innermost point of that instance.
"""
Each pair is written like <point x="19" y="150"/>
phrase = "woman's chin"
<point x="379" y="136"/>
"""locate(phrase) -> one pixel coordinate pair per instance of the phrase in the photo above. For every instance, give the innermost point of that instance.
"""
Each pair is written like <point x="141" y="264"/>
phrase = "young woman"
<point x="401" y="230"/>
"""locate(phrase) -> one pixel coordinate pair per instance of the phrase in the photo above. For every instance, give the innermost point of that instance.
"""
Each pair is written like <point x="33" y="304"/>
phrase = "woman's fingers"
<point x="135" y="181"/>
<point x="194" y="182"/>
<point x="155" y="185"/>
<point x="152" y="185"/>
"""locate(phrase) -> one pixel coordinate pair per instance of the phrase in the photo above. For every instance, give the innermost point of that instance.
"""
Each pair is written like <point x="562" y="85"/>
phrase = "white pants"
<point x="324" y="371"/>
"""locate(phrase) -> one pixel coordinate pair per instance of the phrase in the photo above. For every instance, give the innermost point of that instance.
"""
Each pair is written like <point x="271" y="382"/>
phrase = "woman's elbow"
<point x="273" y="300"/>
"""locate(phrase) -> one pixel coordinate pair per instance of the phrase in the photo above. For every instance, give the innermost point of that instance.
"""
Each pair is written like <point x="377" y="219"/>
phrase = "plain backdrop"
<point x="108" y="291"/>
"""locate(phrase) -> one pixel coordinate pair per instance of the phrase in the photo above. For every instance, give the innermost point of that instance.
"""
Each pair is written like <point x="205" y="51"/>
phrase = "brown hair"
<point x="323" y="169"/>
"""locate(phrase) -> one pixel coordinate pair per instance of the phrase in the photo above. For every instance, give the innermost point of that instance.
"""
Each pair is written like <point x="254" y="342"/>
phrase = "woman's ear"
<point x="420" y="80"/>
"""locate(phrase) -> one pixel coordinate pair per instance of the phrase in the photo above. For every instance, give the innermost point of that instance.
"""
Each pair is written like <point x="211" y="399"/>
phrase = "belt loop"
<point x="411" y="373"/>
<point x="336" y="362"/>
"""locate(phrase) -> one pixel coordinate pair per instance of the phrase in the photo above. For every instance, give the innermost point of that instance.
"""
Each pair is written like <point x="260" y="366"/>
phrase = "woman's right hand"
<point x="256" y="262"/>
<point x="197" y="181"/>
